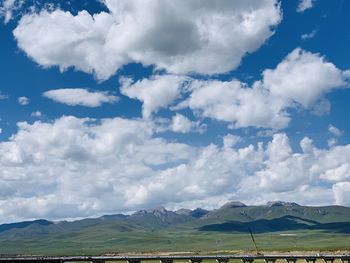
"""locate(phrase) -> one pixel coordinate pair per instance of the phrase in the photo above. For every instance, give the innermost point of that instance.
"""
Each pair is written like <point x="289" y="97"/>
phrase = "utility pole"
<point x="251" y="235"/>
<point x="218" y="242"/>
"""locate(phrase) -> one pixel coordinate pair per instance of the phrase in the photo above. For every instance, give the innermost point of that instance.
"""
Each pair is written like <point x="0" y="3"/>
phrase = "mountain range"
<point x="172" y="230"/>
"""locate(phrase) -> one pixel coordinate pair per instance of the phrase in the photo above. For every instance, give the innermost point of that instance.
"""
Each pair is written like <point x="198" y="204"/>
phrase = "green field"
<point x="92" y="243"/>
<point x="276" y="228"/>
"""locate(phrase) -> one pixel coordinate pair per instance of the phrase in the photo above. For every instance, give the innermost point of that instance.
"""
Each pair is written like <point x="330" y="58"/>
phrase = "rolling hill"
<point x="276" y="225"/>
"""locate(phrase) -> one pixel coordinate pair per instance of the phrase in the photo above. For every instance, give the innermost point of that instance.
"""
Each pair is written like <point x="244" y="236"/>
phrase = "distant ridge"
<point x="281" y="203"/>
<point x="24" y="224"/>
<point x="233" y="204"/>
<point x="234" y="217"/>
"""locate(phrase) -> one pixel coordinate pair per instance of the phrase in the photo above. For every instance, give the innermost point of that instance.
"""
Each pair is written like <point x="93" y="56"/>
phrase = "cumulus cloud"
<point x="230" y="101"/>
<point x="36" y="114"/>
<point x="301" y="80"/>
<point x="205" y="37"/>
<point x="335" y="131"/>
<point x="155" y="93"/>
<point x="304" y="77"/>
<point x="23" y="101"/>
<point x="287" y="173"/>
<point x="234" y="102"/>
<point x="341" y="192"/>
<point x="45" y="161"/>
<point x="182" y="124"/>
<point x="310" y="35"/>
<point x="322" y="107"/>
<point x="304" y="5"/>
<point x="7" y="7"/>
<point x="44" y="164"/>
<point x="80" y="97"/>
<point x="231" y="140"/>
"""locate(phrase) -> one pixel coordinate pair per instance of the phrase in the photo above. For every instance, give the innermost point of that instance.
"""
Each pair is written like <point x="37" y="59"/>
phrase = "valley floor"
<point x="172" y="242"/>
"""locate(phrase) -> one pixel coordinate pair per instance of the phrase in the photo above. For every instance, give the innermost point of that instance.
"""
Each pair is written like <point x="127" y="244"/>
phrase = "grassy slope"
<point x="98" y="241"/>
<point x="149" y="234"/>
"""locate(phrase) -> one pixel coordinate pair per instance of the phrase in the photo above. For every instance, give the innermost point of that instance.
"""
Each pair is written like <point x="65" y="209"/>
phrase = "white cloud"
<point x="299" y="176"/>
<point x="322" y="107"/>
<point x="331" y="142"/>
<point x="340" y="173"/>
<point x="341" y="192"/>
<point x="7" y="7"/>
<point x="265" y="133"/>
<point x="236" y="103"/>
<point x="155" y="93"/>
<point x="303" y="77"/>
<point x="3" y="96"/>
<point x="230" y="101"/>
<point x="205" y="37"/>
<point x="335" y="131"/>
<point x="231" y="140"/>
<point x="182" y="124"/>
<point x="304" y="5"/>
<point x="301" y="80"/>
<point x="44" y="163"/>
<point x="310" y="35"/>
<point x="23" y="101"/>
<point x="36" y="114"/>
<point x="80" y="97"/>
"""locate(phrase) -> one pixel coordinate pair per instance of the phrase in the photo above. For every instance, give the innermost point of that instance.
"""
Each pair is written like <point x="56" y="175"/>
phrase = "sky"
<point x="113" y="106"/>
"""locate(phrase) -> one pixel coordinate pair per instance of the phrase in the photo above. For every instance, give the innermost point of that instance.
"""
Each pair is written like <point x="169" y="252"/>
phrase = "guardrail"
<point x="170" y="259"/>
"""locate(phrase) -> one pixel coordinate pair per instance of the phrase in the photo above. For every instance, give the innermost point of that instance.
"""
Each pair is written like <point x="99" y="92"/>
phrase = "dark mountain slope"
<point x="286" y="223"/>
<point x="232" y="217"/>
<point x="24" y="224"/>
<point x="273" y="210"/>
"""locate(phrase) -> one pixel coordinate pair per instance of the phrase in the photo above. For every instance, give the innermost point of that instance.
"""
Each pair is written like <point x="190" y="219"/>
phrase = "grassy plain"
<point x="98" y="242"/>
<point x="282" y="228"/>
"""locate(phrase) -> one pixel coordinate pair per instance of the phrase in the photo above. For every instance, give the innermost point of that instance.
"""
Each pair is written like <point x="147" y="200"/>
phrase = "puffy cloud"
<point x="234" y="102"/>
<point x="122" y="165"/>
<point x="302" y="80"/>
<point x="310" y="35"/>
<point x="304" y="4"/>
<point x="231" y="140"/>
<point x="7" y="7"/>
<point x="230" y="101"/>
<point x="332" y="141"/>
<point x="36" y="114"/>
<point x="182" y="124"/>
<point x="205" y="37"/>
<point x="335" y="131"/>
<point x="303" y="77"/>
<point x="303" y="177"/>
<point x="23" y="101"/>
<point x="45" y="161"/>
<point x="322" y="107"/>
<point x="80" y="97"/>
<point x="342" y="193"/>
<point x="339" y="173"/>
<point x="155" y="93"/>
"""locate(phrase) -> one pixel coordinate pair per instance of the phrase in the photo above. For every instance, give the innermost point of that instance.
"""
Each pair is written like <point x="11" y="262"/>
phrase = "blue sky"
<point x="211" y="98"/>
